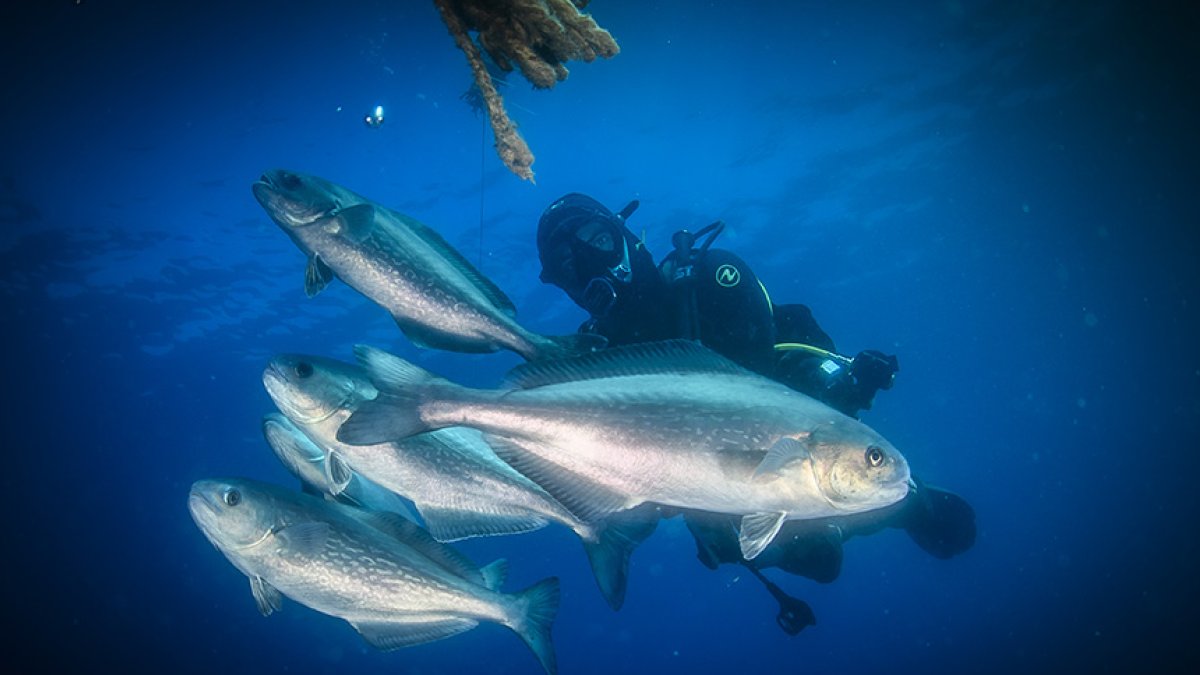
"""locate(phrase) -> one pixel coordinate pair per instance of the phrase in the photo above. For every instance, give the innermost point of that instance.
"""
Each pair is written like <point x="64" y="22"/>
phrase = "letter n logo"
<point x="728" y="276"/>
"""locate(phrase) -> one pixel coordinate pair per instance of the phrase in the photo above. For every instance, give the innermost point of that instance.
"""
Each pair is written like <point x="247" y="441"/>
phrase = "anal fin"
<point x="426" y="338"/>
<point x="452" y="524"/>
<point x="388" y="635"/>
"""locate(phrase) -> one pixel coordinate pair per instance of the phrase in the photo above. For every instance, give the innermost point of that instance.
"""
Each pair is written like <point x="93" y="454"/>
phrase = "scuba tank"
<point x="679" y="271"/>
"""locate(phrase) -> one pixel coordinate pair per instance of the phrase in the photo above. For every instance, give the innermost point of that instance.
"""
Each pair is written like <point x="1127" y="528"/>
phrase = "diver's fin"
<point x="337" y="473"/>
<point x="757" y="531"/>
<point x="794" y="614"/>
<point x="940" y="522"/>
<point x="615" y="540"/>
<point x="784" y="452"/>
<point x="266" y="597"/>
<point x="317" y="276"/>
<point x="494" y="573"/>
<point x="536" y="608"/>
<point x="670" y="356"/>
<point x="460" y="263"/>
<point x="565" y="346"/>
<point x="388" y="635"/>
<point x="585" y="499"/>
<point x="452" y="524"/>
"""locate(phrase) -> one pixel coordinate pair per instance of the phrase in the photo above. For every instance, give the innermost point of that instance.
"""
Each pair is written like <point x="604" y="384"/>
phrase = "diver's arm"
<point x="807" y="361"/>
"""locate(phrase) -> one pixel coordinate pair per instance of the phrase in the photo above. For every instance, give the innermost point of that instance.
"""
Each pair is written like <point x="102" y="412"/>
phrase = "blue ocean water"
<point x="1001" y="193"/>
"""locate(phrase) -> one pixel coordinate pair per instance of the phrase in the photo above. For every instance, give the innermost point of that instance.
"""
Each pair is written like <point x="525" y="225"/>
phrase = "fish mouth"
<point x="281" y="433"/>
<point x="279" y="192"/>
<point x="202" y="507"/>
<point x="279" y="387"/>
<point x="279" y="180"/>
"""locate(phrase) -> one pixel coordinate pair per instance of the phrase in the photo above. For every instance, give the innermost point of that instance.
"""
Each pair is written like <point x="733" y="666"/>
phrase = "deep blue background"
<point x="1003" y="193"/>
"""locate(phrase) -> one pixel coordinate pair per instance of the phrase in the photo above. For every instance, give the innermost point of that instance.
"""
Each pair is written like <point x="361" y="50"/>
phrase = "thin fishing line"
<point x="482" y="157"/>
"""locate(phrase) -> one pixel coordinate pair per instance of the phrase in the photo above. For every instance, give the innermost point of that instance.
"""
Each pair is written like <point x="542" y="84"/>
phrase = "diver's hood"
<point x="571" y="262"/>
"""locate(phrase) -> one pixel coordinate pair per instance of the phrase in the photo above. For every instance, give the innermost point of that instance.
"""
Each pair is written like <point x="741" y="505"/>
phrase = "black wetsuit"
<point x="636" y="316"/>
<point x="718" y="300"/>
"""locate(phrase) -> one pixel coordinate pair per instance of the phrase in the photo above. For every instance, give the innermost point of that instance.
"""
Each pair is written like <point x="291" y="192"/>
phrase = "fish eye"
<point x="875" y="456"/>
<point x="304" y="369"/>
<point x="231" y="497"/>
<point x="290" y="181"/>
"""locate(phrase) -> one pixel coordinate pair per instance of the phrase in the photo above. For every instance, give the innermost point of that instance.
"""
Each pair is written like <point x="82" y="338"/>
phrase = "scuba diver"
<point x="711" y="295"/>
<point x="699" y="293"/>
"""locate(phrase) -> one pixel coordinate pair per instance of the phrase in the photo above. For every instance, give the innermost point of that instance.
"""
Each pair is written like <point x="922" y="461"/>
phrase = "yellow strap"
<point x="815" y="351"/>
<point x="770" y="305"/>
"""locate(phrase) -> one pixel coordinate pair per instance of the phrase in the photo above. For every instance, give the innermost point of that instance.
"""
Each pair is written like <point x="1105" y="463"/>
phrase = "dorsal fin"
<point x="464" y="266"/>
<point x="670" y="356"/>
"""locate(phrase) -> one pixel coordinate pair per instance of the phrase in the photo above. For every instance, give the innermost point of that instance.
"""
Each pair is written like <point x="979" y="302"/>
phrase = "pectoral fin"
<point x="303" y="539"/>
<point x="784" y="452"/>
<point x="267" y="597"/>
<point x="757" y="532"/>
<point x="316" y="276"/>
<point x="337" y="473"/>
<point x="356" y="222"/>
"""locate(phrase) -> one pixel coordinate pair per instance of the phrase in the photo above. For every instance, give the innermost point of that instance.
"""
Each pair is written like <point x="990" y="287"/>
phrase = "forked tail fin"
<point x="534" y="616"/>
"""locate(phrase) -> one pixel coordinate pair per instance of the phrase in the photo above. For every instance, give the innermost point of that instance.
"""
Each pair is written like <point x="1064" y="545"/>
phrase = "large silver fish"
<point x="435" y="295"/>
<point x="395" y="585"/>
<point x="310" y="463"/>
<point x="457" y="483"/>
<point x="671" y="423"/>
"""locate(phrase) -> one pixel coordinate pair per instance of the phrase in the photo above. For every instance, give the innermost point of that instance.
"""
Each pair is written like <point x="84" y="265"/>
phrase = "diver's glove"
<point x="874" y="370"/>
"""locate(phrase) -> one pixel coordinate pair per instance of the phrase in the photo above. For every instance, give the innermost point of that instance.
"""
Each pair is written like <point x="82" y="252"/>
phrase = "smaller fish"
<point x="456" y="482"/>
<point x="435" y="295"/>
<point x="386" y="576"/>
<point x="310" y="464"/>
